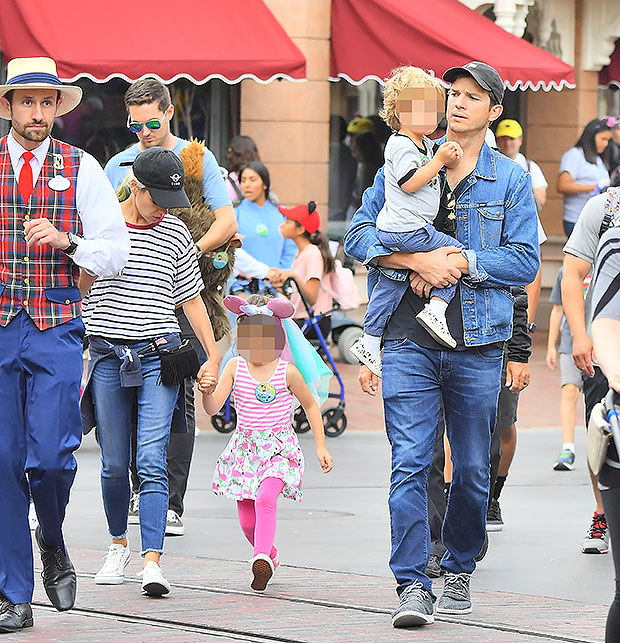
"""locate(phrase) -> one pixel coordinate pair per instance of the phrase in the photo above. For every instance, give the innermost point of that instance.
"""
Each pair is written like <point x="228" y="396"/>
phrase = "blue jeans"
<point x="113" y="406"/>
<point x="469" y="382"/>
<point x="387" y="293"/>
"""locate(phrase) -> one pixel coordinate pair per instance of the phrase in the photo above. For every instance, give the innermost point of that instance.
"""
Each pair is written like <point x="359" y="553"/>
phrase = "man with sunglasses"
<point x="487" y="203"/>
<point x="150" y="111"/>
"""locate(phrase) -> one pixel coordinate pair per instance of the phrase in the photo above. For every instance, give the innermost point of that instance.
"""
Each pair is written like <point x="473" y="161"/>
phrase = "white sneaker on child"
<point x="262" y="570"/>
<point x="372" y="360"/>
<point x="436" y="327"/>
<point x="112" y="571"/>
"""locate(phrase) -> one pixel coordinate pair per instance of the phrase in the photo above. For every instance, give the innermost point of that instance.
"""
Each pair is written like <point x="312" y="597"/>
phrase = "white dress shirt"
<point x="103" y="249"/>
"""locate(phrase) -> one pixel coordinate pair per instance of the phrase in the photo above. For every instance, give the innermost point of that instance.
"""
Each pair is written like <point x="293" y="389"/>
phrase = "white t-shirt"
<point x="161" y="274"/>
<point x="407" y="211"/>
<point x="538" y="178"/>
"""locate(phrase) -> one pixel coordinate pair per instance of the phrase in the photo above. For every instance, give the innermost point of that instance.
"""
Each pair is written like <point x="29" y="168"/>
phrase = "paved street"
<point x="334" y="583"/>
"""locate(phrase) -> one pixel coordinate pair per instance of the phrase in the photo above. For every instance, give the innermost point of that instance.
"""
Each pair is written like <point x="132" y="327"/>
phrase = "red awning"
<point x="610" y="75"/>
<point x="195" y="39"/>
<point x="372" y="37"/>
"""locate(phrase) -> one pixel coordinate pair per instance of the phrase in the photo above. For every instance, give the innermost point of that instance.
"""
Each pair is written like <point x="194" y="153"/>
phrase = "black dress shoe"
<point x="14" y="617"/>
<point x="58" y="575"/>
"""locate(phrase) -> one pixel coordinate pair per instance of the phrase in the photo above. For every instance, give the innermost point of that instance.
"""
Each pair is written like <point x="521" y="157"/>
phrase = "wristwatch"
<point x="72" y="247"/>
<point x="531" y="327"/>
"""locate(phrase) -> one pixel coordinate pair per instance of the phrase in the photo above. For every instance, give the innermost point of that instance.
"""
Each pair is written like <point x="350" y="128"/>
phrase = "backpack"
<point x="612" y="210"/>
<point x="341" y="286"/>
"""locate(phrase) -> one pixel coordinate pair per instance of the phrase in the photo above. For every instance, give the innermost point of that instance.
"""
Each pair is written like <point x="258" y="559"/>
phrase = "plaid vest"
<point x="40" y="280"/>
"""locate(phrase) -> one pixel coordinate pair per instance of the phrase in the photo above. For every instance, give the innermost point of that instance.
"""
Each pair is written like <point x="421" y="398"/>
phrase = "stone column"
<point x="290" y="120"/>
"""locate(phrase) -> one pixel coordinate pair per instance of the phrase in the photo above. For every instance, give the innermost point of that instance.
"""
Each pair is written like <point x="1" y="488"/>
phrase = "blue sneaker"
<point x="565" y="461"/>
<point x="416" y="607"/>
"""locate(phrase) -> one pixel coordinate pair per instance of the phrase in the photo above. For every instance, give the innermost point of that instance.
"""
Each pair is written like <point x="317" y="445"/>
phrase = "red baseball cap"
<point x="306" y="215"/>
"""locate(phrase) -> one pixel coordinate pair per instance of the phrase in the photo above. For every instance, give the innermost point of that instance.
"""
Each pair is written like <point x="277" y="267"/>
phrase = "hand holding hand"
<point x="41" y="231"/>
<point x="325" y="459"/>
<point x="435" y="268"/>
<point x="207" y="376"/>
<point x="420" y="287"/>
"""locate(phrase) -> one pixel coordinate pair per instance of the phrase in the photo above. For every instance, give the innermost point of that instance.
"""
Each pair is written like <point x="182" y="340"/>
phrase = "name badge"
<point x="59" y="184"/>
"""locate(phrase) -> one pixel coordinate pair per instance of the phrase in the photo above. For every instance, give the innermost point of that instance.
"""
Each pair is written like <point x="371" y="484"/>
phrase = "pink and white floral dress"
<point x="264" y="444"/>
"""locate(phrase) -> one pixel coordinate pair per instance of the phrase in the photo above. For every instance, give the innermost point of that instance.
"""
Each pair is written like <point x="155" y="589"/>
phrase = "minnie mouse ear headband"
<point x="306" y="215"/>
<point x="278" y="308"/>
<point x="38" y="73"/>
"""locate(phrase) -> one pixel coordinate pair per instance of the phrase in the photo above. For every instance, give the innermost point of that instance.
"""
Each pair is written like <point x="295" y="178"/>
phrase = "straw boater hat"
<point x="38" y="73"/>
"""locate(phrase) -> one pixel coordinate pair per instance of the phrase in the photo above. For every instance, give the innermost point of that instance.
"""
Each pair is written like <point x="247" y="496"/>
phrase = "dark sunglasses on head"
<point x="136" y="126"/>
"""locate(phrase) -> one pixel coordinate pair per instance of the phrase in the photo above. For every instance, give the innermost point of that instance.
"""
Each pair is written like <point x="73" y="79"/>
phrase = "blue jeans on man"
<point x="469" y="381"/>
<point x="113" y="409"/>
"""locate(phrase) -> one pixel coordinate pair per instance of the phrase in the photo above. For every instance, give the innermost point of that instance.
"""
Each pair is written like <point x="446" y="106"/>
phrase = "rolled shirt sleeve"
<point x="104" y="247"/>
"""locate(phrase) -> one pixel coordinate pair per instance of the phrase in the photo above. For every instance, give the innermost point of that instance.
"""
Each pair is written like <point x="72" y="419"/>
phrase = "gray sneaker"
<point x="416" y="607"/>
<point x="455" y="598"/>
<point x="174" y="524"/>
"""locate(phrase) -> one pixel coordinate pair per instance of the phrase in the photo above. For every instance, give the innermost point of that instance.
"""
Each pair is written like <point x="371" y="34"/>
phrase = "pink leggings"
<point x="258" y="517"/>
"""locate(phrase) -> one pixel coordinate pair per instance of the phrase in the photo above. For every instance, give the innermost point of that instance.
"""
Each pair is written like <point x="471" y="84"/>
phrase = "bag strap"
<point x="612" y="205"/>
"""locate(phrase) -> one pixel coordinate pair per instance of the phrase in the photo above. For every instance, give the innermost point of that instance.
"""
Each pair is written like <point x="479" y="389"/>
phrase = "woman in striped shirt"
<point x="133" y="330"/>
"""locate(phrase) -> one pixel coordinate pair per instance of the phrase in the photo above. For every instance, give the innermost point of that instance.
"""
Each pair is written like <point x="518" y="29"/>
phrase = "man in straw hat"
<point x="58" y="214"/>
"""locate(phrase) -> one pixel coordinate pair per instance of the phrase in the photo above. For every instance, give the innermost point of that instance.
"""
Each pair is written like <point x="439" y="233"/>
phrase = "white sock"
<point x="568" y="445"/>
<point x="438" y="306"/>
<point x="372" y="343"/>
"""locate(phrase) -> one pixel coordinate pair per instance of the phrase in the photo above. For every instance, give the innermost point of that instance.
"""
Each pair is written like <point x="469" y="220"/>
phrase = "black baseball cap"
<point x="483" y="74"/>
<point x="161" y="171"/>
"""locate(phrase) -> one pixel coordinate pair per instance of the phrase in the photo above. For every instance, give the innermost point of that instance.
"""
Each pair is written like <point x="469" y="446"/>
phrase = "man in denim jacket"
<point x="487" y="203"/>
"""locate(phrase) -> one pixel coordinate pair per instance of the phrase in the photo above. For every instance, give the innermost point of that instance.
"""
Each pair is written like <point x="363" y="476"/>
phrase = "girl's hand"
<point x="207" y="376"/>
<point x="325" y="459"/>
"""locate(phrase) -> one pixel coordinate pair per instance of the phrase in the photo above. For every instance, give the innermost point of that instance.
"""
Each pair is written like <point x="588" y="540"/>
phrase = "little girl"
<point x="263" y="458"/>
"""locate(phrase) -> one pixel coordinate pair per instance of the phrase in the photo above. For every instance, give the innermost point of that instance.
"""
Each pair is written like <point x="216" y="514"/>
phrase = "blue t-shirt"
<point x="214" y="189"/>
<point x="574" y="162"/>
<point x="263" y="241"/>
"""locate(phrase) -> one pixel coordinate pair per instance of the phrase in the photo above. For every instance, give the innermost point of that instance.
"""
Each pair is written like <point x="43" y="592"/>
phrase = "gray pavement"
<point x="334" y="584"/>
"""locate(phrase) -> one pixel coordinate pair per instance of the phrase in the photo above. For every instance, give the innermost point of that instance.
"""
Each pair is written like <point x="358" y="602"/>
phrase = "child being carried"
<point x="413" y="104"/>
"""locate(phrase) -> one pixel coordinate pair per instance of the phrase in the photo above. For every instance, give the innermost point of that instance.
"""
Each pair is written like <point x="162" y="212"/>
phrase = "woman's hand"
<point x="325" y="459"/>
<point x="207" y="376"/>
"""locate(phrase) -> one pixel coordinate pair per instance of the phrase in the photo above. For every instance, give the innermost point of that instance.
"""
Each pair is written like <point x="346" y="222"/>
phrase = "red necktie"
<point x="25" y="177"/>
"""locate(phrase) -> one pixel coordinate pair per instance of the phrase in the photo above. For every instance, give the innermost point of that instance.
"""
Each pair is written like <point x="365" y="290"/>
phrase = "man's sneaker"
<point x="455" y="598"/>
<point x="174" y="524"/>
<point x="485" y="548"/>
<point x="415" y="608"/>
<point x="367" y="358"/>
<point x="597" y="538"/>
<point x="565" y="461"/>
<point x="133" y="518"/>
<point x="33" y="521"/>
<point x="112" y="571"/>
<point x="153" y="581"/>
<point x="436" y="327"/>
<point x="433" y="567"/>
<point x="494" y="516"/>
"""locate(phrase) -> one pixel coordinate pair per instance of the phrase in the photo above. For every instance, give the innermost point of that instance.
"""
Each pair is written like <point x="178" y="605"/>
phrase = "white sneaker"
<point x="133" y="517"/>
<point x="436" y="327"/>
<point x="174" y="524"/>
<point x="153" y="581"/>
<point x="33" y="521"/>
<point x="367" y="358"/>
<point x="112" y="571"/>
<point x="262" y="570"/>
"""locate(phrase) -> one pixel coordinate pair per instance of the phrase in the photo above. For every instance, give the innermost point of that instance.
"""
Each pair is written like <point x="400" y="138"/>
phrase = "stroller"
<point x="334" y="418"/>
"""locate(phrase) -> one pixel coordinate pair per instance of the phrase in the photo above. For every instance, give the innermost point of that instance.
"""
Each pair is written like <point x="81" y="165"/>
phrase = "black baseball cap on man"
<point x="162" y="174"/>
<point x="483" y="74"/>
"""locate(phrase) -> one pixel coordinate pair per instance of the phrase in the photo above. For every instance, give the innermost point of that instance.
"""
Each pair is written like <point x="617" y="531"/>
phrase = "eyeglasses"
<point x="136" y="126"/>
<point x="448" y="202"/>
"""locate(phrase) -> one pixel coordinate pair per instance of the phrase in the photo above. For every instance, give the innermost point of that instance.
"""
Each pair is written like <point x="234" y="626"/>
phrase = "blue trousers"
<point x="469" y="382"/>
<point x="40" y="375"/>
<point x="387" y="293"/>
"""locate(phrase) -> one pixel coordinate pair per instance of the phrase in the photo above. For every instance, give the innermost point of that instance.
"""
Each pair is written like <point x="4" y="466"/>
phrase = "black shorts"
<point x="507" y="403"/>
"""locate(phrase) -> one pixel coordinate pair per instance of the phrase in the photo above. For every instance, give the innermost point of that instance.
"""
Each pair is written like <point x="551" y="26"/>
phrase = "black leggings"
<point x="611" y="504"/>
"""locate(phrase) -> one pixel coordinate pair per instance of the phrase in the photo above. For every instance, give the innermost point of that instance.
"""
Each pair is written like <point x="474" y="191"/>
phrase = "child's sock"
<point x="568" y="445"/>
<point x="372" y="343"/>
<point x="438" y="306"/>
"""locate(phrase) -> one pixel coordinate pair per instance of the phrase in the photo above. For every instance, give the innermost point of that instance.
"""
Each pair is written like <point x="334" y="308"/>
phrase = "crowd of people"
<point x="448" y="229"/>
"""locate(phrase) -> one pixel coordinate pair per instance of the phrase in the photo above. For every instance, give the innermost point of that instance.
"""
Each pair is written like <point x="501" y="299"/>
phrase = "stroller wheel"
<point x="346" y="339"/>
<point x="334" y="422"/>
<point x="300" y="421"/>
<point x="222" y="425"/>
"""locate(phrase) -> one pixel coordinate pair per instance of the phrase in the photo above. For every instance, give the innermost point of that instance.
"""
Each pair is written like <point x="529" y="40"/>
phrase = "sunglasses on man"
<point x="136" y="126"/>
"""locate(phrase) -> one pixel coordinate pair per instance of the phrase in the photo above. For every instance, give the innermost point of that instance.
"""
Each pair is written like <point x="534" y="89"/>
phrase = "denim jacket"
<point x="496" y="222"/>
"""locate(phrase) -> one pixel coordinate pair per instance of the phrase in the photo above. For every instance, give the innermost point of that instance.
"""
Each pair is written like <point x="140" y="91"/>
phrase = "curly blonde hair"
<point x="405" y="78"/>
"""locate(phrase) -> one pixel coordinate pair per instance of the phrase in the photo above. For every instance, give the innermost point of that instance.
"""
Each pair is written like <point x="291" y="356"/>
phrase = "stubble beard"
<point x="36" y="136"/>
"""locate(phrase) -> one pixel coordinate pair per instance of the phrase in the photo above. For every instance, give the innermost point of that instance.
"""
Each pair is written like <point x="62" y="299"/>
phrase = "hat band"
<point x="33" y="78"/>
